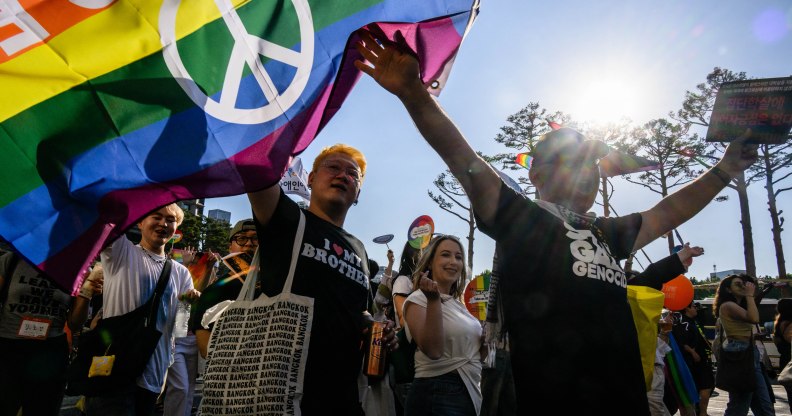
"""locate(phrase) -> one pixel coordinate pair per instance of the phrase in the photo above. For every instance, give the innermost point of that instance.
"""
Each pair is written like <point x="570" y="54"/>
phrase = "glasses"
<point x="242" y="240"/>
<point x="738" y="284"/>
<point x="334" y="169"/>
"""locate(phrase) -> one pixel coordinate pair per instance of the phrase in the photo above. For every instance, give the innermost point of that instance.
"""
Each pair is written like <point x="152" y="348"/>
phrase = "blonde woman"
<point x="448" y="358"/>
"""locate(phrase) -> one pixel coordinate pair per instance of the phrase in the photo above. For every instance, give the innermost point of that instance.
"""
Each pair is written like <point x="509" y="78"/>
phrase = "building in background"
<point x="219" y="214"/>
<point x="193" y="206"/>
<point x="721" y="275"/>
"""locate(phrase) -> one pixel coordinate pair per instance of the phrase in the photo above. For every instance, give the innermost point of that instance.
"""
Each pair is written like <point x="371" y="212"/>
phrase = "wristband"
<point x="86" y="293"/>
<point x="722" y="175"/>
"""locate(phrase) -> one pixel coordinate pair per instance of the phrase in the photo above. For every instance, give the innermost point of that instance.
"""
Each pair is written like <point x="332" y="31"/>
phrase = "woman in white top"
<point x="448" y="358"/>
<point x="403" y="284"/>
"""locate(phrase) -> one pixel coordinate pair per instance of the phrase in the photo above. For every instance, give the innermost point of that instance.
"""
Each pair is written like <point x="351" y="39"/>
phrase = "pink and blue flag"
<point x="111" y="108"/>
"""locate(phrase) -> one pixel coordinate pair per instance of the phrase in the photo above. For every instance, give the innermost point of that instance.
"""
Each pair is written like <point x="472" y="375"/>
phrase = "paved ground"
<point x="716" y="406"/>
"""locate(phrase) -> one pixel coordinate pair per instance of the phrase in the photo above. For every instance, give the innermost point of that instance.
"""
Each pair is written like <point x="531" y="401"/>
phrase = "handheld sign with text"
<point x="476" y="296"/>
<point x="420" y="232"/>
<point x="295" y="180"/>
<point x="762" y="105"/>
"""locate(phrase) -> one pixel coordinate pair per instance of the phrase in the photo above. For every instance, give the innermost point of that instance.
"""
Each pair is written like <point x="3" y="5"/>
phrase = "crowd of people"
<point x="557" y="263"/>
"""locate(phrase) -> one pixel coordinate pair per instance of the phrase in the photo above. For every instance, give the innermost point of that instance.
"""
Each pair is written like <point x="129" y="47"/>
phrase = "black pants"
<point x="129" y="401"/>
<point x="33" y="375"/>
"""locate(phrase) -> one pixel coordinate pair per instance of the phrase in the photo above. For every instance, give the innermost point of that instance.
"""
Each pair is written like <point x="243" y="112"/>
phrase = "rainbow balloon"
<point x="111" y="108"/>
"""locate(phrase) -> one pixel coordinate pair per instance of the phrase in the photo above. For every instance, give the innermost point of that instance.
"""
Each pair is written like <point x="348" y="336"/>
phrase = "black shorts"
<point x="702" y="374"/>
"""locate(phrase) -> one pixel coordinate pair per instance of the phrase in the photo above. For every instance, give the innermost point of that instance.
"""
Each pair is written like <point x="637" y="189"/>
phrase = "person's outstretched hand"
<point x="395" y="70"/>
<point x="739" y="156"/>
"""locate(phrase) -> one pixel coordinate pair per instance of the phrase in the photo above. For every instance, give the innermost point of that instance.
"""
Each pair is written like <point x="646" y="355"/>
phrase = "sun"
<point x="606" y="100"/>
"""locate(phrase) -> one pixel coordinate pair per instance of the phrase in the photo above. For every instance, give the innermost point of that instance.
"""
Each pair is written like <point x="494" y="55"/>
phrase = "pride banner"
<point x="111" y="108"/>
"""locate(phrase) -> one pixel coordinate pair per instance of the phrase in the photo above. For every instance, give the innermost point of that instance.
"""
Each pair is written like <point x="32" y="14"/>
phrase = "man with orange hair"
<point x="332" y="269"/>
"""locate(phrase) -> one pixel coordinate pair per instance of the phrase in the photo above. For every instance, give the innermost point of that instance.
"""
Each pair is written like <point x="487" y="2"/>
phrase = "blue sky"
<point x="564" y="54"/>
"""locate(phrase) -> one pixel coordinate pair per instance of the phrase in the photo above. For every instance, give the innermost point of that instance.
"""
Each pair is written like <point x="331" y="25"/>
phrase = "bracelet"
<point x="86" y="293"/>
<point x="722" y="175"/>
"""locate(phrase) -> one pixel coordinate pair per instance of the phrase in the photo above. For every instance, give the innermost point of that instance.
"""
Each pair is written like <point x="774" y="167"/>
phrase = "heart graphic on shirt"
<point x="337" y="249"/>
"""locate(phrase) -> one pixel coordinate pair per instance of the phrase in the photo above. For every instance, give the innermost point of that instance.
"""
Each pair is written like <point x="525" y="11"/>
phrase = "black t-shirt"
<point x="564" y="297"/>
<point x="659" y="273"/>
<point x="686" y="332"/>
<point x="333" y="270"/>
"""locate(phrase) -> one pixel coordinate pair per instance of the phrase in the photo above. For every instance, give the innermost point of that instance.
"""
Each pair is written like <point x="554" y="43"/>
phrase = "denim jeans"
<point x="759" y="400"/>
<point x="444" y="395"/>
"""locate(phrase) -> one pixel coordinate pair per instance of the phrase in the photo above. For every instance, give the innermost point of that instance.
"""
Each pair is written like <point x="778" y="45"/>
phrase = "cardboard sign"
<point x="762" y="105"/>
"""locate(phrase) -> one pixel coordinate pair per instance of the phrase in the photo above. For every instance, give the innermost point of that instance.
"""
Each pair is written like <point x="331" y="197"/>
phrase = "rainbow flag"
<point x="111" y="108"/>
<point x="524" y="160"/>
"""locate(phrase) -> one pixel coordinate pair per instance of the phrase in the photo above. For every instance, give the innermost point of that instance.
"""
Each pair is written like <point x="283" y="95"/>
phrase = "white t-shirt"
<point x="461" y="347"/>
<point x="402" y="286"/>
<point x="130" y="277"/>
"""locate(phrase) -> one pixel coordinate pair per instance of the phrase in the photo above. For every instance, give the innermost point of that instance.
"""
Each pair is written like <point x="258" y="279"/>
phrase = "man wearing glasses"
<point x="244" y="241"/>
<point x="562" y="289"/>
<point x="332" y="269"/>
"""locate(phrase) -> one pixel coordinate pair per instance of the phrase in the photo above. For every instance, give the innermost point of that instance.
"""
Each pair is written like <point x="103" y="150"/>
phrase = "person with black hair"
<point x="697" y="353"/>
<point x="738" y="313"/>
<point x="782" y="336"/>
<point x="403" y="285"/>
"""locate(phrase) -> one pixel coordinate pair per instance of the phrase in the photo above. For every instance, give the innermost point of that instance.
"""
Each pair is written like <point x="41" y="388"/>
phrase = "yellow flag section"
<point x="646" y="304"/>
<point x="50" y="59"/>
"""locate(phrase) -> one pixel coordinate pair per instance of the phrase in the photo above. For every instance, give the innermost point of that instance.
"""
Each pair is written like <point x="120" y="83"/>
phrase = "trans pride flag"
<point x="111" y="108"/>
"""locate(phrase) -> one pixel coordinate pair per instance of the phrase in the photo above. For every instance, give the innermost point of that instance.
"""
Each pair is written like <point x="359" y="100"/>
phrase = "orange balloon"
<point x="678" y="293"/>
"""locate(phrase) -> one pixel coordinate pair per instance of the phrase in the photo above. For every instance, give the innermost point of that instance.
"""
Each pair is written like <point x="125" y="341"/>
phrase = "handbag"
<point x="403" y="359"/>
<point x="112" y="355"/>
<point x="736" y="369"/>
<point x="785" y="376"/>
<point x="258" y="348"/>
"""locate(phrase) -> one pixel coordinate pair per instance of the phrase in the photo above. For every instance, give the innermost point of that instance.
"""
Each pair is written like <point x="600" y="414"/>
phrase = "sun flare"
<point x="606" y="100"/>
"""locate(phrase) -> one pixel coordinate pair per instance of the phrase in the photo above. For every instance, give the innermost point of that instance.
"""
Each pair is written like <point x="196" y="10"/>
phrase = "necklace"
<point x="149" y="254"/>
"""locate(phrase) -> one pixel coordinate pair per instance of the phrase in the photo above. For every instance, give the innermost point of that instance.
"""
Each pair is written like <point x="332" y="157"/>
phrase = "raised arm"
<point x="398" y="73"/>
<point x="675" y="209"/>
<point x="264" y="202"/>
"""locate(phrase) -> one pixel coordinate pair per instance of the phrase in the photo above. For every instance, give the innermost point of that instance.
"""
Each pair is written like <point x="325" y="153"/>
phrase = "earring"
<point x="355" y="203"/>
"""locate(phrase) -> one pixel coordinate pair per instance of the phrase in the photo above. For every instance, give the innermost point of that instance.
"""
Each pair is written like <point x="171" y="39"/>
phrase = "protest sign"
<point x="762" y="105"/>
<point x="476" y="296"/>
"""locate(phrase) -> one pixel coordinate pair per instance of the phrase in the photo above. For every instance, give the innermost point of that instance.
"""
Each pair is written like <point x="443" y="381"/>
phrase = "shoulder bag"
<point x="112" y="355"/>
<point x="736" y="369"/>
<point x="258" y="348"/>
